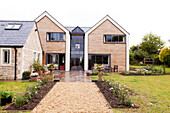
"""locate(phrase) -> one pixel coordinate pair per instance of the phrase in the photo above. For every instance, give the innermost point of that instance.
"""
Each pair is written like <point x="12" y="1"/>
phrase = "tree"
<point x="164" y="56"/>
<point x="140" y="54"/>
<point x="151" y="43"/>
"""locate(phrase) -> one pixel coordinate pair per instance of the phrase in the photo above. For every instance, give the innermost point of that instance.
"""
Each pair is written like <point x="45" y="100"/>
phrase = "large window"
<point x="99" y="59"/>
<point x="114" y="38"/>
<point x="6" y="58"/>
<point x="55" y="36"/>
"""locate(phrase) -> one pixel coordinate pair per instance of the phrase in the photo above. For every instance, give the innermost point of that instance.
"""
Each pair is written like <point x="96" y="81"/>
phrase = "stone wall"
<point x="7" y="70"/>
<point x="31" y="46"/>
<point x="97" y="45"/>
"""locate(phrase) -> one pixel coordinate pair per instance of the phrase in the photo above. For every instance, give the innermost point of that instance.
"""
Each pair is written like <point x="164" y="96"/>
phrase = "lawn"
<point x="153" y="92"/>
<point x="15" y="87"/>
<point x="167" y="69"/>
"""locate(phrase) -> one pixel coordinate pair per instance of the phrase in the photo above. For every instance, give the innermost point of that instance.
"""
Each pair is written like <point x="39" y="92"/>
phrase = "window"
<point x="114" y="38"/>
<point x="99" y="59"/>
<point x="13" y="27"/>
<point x="6" y="58"/>
<point x="55" y="36"/>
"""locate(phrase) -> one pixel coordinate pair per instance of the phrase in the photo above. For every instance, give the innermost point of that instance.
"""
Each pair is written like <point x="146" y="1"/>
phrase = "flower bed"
<point x="32" y="97"/>
<point x="147" y="71"/>
<point x="116" y="95"/>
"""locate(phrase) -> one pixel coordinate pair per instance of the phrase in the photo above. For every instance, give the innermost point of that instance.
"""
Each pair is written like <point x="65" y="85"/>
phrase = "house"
<point x="79" y="48"/>
<point x="19" y="46"/>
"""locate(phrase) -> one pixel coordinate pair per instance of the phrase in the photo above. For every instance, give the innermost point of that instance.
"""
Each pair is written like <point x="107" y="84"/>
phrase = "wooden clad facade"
<point x="117" y="51"/>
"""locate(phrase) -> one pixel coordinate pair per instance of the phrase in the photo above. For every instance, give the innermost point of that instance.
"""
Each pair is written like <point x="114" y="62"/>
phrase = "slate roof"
<point x="15" y="37"/>
<point x="83" y="28"/>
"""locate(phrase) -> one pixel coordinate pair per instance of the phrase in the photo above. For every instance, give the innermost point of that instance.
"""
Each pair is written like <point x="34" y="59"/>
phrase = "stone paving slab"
<point x="73" y="97"/>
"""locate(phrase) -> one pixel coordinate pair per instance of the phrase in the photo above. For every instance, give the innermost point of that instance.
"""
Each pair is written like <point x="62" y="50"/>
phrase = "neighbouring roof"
<point x="15" y="37"/>
<point x="72" y="28"/>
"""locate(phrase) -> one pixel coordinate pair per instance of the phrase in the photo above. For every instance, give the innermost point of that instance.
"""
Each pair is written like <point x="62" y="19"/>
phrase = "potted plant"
<point x="34" y="77"/>
<point x="51" y="67"/>
<point x="5" y="98"/>
<point x="99" y="68"/>
<point x="88" y="72"/>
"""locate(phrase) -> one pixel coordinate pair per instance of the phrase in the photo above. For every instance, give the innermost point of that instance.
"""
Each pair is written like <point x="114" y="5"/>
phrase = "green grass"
<point x="150" y="89"/>
<point x="167" y="69"/>
<point x="15" y="87"/>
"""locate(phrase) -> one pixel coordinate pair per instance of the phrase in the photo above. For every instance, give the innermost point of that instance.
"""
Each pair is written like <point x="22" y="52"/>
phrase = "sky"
<point x="138" y="17"/>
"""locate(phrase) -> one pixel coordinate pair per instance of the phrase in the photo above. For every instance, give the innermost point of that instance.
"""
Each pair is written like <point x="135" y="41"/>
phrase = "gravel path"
<point x="73" y="97"/>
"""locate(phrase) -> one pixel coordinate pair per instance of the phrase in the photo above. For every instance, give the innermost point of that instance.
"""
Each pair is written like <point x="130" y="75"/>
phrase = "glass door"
<point x="77" y="52"/>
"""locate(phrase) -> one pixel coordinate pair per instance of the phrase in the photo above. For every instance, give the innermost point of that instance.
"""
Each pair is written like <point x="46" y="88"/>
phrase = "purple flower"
<point x="36" y="92"/>
<point x="132" y="104"/>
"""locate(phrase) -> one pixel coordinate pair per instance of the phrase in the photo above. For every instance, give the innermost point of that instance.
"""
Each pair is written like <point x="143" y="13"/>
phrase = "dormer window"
<point x="13" y="27"/>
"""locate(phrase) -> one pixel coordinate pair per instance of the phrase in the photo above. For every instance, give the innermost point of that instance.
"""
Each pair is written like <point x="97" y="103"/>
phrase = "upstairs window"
<point x="55" y="36"/>
<point x="13" y="27"/>
<point x="114" y="38"/>
<point x="6" y="58"/>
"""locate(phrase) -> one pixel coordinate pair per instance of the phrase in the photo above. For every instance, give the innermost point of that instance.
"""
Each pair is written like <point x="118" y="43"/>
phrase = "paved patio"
<point x="73" y="97"/>
<point x="74" y="76"/>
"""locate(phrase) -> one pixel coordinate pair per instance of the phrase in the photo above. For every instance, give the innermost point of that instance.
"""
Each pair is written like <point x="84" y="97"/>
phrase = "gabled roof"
<point x="15" y="37"/>
<point x="45" y="13"/>
<point x="72" y="28"/>
<point x="107" y="17"/>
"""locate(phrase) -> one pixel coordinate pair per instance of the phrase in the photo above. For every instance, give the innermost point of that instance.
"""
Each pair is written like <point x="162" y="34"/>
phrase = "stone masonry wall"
<point x="7" y="70"/>
<point x="32" y="45"/>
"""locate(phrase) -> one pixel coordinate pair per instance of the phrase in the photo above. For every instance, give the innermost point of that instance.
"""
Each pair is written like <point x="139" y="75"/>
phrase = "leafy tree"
<point x="164" y="56"/>
<point x="140" y="54"/>
<point x="151" y="43"/>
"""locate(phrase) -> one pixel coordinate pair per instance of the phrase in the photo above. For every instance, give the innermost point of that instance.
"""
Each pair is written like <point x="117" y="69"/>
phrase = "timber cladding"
<point x="45" y="25"/>
<point x="96" y="44"/>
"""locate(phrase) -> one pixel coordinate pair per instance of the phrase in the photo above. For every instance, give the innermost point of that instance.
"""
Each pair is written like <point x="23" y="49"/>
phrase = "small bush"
<point x="6" y="95"/>
<point x="26" y="75"/>
<point x="19" y="101"/>
<point x="123" y="72"/>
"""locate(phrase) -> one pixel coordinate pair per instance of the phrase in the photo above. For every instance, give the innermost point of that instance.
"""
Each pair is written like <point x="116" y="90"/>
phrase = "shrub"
<point x="26" y="75"/>
<point x="6" y="95"/>
<point x="123" y="72"/>
<point x="19" y="101"/>
<point x="44" y="80"/>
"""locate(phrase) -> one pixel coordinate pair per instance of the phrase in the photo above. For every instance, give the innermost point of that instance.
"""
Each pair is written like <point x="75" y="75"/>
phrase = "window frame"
<point x="109" y="59"/>
<point x="56" y="40"/>
<point x="104" y="39"/>
<point x="13" y="26"/>
<point x="2" y="56"/>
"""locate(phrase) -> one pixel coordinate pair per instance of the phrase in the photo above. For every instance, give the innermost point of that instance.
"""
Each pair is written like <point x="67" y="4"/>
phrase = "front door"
<point x="77" y="52"/>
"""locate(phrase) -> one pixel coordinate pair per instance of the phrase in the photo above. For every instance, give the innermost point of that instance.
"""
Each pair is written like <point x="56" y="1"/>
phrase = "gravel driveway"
<point x="73" y="97"/>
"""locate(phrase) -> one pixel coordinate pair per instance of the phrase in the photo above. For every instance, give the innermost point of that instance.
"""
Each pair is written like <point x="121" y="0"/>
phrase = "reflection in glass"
<point x="77" y="52"/>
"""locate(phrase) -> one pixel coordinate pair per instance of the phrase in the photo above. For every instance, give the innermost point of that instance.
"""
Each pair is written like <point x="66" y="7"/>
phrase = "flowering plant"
<point x="121" y="91"/>
<point x="90" y="72"/>
<point x="34" y="74"/>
